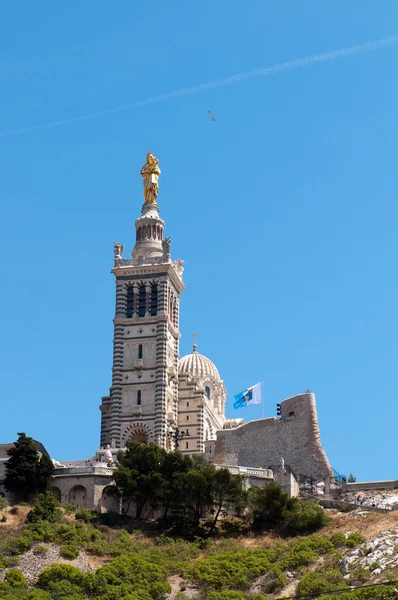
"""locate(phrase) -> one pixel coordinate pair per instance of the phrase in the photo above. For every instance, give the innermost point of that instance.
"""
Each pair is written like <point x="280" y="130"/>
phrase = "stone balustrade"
<point x="83" y="470"/>
<point x="248" y="471"/>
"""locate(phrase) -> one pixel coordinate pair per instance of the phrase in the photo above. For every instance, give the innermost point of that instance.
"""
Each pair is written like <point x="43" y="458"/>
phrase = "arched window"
<point x="130" y="302"/>
<point x="154" y="300"/>
<point x="139" y="398"/>
<point x="141" y="301"/>
<point x="207" y="391"/>
<point x="140" y="351"/>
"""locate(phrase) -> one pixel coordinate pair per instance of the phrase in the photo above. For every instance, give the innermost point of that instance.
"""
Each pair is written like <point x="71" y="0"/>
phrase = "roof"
<point x="198" y="366"/>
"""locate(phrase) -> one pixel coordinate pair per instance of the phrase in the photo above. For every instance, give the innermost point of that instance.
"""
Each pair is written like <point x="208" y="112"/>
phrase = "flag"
<point x="252" y="395"/>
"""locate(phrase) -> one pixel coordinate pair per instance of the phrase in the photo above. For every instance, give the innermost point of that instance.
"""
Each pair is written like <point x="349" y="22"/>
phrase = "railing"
<point x="83" y="470"/>
<point x="249" y="471"/>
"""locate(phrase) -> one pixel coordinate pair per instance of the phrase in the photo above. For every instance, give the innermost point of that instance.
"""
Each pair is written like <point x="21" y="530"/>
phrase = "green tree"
<point x="138" y="476"/>
<point x="44" y="477"/>
<point x="45" y="509"/>
<point x="227" y="492"/>
<point x="27" y="472"/>
<point x="351" y="478"/>
<point x="268" y="505"/>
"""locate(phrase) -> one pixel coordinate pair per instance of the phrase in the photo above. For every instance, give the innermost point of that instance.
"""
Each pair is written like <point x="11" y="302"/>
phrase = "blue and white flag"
<point x="252" y="395"/>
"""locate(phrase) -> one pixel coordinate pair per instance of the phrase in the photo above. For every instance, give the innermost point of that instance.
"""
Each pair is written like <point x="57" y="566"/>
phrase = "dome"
<point x="197" y="365"/>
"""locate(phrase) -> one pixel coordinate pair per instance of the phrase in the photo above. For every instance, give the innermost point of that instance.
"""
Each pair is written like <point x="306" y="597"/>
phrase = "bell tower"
<point x="143" y="399"/>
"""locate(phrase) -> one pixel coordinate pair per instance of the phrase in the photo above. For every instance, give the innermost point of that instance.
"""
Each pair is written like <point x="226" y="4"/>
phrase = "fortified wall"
<point x="293" y="438"/>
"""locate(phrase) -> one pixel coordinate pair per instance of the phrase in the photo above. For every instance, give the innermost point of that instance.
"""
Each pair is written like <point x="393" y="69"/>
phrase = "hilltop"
<point x="136" y="563"/>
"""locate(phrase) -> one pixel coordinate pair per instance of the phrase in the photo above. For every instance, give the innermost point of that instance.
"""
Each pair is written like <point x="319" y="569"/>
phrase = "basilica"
<point x="178" y="403"/>
<point x="154" y="396"/>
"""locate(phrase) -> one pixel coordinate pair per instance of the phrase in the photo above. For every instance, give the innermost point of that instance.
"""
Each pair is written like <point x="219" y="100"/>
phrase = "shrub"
<point x="232" y="570"/>
<point x="3" y="503"/>
<point x="275" y="580"/>
<point x="57" y="573"/>
<point x="316" y="583"/>
<point x="69" y="551"/>
<point x="83" y="514"/>
<point x="3" y="519"/>
<point x="133" y="574"/>
<point x="338" y="539"/>
<point x="45" y="509"/>
<point x="303" y="517"/>
<point x="14" y="510"/>
<point x="40" y="550"/>
<point x="359" y="575"/>
<point x="20" y="544"/>
<point x="69" y="508"/>
<point x="354" y="539"/>
<point x="15" y="579"/>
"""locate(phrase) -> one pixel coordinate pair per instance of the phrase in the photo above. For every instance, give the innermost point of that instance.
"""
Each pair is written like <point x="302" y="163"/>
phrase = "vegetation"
<point x="271" y="508"/>
<point x="45" y="509"/>
<point x="27" y="473"/>
<point x="138" y="567"/>
<point x="191" y="495"/>
<point x="183" y="488"/>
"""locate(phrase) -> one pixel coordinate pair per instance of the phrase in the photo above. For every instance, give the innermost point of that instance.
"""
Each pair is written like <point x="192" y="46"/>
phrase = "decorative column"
<point x="148" y="289"/>
<point x="135" y="299"/>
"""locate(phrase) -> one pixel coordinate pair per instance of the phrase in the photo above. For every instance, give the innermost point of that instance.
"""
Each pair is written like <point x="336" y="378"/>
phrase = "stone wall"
<point x="388" y="484"/>
<point x="84" y="490"/>
<point x="294" y="437"/>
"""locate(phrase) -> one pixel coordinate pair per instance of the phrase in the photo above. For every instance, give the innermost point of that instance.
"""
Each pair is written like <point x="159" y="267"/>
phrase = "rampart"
<point x="294" y="437"/>
<point x="388" y="484"/>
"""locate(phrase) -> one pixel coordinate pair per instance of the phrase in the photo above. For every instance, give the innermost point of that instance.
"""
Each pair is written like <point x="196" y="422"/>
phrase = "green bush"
<point x="226" y="595"/>
<point x="316" y="583"/>
<point x="3" y="519"/>
<point x="3" y="503"/>
<point x="69" y="508"/>
<point x="14" y="510"/>
<point x="354" y="539"/>
<point x="97" y="548"/>
<point x="132" y="574"/>
<point x="57" y="573"/>
<point x="303" y="517"/>
<point x="20" y="544"/>
<point x="359" y="576"/>
<point x="15" y="579"/>
<point x="69" y="551"/>
<point x="338" y="539"/>
<point x="45" y="509"/>
<point x="40" y="550"/>
<point x="234" y="571"/>
<point x="83" y="514"/>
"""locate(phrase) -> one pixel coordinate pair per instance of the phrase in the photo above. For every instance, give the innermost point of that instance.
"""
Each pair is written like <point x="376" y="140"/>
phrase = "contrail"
<point x="261" y="72"/>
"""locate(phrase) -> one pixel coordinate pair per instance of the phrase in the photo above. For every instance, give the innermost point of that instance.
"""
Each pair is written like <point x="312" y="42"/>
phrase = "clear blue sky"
<point x="284" y="209"/>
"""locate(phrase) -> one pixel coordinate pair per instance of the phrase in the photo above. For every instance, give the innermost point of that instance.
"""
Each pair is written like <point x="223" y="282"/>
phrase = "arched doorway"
<point x="78" y="495"/>
<point x="110" y="500"/>
<point x="138" y="432"/>
<point x="56" y="492"/>
<point x="139" y="435"/>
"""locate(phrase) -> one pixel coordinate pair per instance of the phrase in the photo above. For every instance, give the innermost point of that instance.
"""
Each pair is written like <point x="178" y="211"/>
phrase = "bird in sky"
<point x="212" y="116"/>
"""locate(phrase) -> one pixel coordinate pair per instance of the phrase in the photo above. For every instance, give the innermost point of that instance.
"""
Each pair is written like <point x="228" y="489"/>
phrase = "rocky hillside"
<point x="80" y="557"/>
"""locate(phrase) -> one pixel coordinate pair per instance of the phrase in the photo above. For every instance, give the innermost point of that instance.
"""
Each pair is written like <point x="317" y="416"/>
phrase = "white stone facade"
<point x="143" y="399"/>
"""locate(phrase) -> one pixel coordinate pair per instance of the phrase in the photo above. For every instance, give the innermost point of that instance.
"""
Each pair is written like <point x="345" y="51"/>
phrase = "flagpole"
<point x="262" y="406"/>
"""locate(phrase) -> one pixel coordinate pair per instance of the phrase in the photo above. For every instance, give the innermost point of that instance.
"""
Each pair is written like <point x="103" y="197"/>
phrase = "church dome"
<point x="198" y="366"/>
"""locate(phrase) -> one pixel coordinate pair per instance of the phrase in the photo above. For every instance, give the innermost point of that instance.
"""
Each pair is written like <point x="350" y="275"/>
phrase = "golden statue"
<point x="150" y="172"/>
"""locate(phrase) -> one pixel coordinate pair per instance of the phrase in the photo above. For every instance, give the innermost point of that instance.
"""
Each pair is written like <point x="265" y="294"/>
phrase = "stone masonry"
<point x="294" y="437"/>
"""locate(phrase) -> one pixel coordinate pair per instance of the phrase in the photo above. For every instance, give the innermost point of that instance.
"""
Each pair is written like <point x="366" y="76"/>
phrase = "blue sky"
<point x="284" y="209"/>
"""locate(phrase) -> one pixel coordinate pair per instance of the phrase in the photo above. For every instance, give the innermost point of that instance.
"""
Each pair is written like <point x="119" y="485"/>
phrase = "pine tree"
<point x="27" y="472"/>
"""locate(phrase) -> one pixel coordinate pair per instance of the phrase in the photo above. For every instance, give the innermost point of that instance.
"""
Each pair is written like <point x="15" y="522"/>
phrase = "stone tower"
<point x="143" y="399"/>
